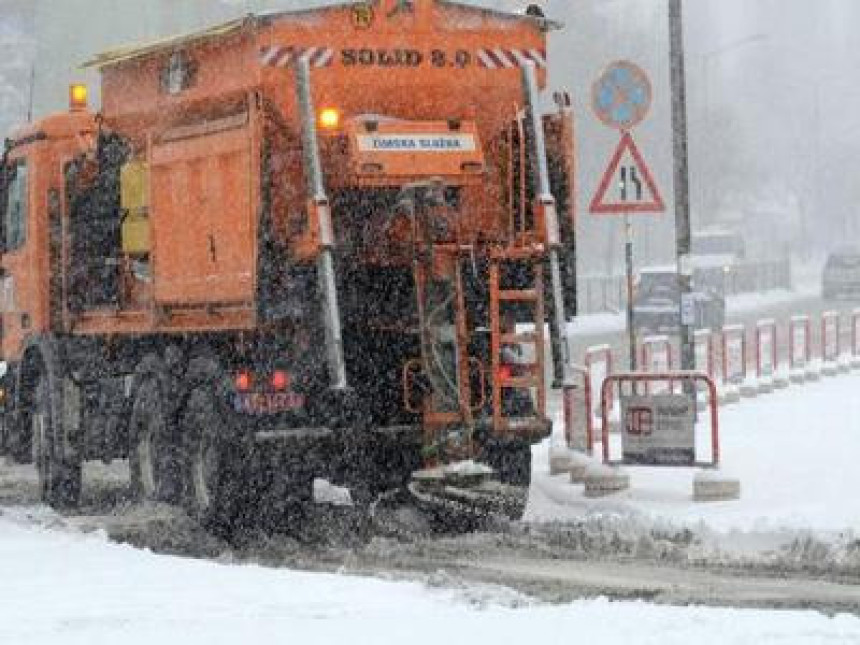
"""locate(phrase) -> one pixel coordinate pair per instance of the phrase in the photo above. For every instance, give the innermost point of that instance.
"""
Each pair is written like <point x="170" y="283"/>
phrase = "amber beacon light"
<point x="77" y="97"/>
<point x="329" y="118"/>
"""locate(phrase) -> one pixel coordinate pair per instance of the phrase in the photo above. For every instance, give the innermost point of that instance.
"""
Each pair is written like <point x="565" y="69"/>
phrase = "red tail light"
<point x="280" y="380"/>
<point x="506" y="372"/>
<point x="243" y="381"/>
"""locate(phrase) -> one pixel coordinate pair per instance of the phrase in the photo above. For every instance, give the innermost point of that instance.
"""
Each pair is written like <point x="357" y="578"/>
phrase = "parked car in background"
<point x="841" y="277"/>
<point x="657" y="300"/>
<point x="718" y="249"/>
<point x="719" y="244"/>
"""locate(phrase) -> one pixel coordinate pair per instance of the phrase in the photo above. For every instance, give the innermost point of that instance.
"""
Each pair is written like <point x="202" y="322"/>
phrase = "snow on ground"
<point x="796" y="453"/>
<point x="64" y="587"/>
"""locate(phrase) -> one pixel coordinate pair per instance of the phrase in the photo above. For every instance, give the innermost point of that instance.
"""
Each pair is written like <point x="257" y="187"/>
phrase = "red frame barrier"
<point x="738" y="331"/>
<point x="635" y="378"/>
<point x="799" y="322"/>
<point x="761" y="326"/>
<point x="831" y="321"/>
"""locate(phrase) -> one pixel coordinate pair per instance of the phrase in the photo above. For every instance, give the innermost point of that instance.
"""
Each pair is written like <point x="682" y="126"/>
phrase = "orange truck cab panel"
<point x="32" y="201"/>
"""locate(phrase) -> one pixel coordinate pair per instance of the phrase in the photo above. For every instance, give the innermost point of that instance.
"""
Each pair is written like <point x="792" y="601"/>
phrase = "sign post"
<point x="621" y="99"/>
<point x="683" y="234"/>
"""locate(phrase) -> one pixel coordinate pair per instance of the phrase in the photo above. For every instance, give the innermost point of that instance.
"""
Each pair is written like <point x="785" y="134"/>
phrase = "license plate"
<point x="268" y="403"/>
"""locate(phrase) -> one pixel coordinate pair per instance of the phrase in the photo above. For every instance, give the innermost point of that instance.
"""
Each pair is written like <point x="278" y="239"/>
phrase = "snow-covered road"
<point x="796" y="453"/>
<point x="69" y="588"/>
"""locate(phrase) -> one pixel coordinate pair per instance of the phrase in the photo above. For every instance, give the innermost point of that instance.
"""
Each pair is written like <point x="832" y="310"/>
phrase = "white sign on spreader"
<point x="416" y="143"/>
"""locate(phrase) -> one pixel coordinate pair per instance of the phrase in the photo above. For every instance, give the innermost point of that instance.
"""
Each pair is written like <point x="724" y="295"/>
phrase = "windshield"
<point x="15" y="207"/>
<point x="658" y="285"/>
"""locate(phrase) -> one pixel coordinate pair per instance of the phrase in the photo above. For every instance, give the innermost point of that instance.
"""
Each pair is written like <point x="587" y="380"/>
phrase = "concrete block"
<point x="602" y="480"/>
<point x="797" y="377"/>
<point x="728" y="394"/>
<point x="579" y="465"/>
<point x="749" y="390"/>
<point x="765" y="386"/>
<point x="829" y="369"/>
<point x="559" y="459"/>
<point x="714" y="486"/>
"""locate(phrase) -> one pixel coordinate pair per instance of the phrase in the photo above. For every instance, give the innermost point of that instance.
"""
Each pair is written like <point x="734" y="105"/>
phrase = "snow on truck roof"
<point x="139" y="50"/>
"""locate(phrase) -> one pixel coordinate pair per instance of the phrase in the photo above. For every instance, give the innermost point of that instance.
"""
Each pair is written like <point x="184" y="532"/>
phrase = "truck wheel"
<point x="512" y="460"/>
<point x="20" y="440"/>
<point x="514" y="463"/>
<point x="213" y="474"/>
<point x="60" y="476"/>
<point x="154" y="459"/>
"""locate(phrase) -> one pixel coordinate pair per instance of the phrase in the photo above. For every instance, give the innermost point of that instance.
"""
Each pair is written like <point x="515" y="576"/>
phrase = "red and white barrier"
<point x="571" y="455"/>
<point x="766" y="356"/>
<point x="578" y="427"/>
<point x="656" y="356"/>
<point x="855" y="339"/>
<point x="599" y="364"/>
<point x="831" y="346"/>
<point x="704" y="349"/>
<point x="800" y="349"/>
<point x="734" y="362"/>
<point x="706" y="362"/>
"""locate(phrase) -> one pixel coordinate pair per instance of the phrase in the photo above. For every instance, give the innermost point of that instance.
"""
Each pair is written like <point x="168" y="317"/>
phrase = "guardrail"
<point x="724" y="358"/>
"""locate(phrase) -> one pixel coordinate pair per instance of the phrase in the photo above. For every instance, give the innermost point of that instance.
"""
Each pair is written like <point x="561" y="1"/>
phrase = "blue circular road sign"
<point x="621" y="96"/>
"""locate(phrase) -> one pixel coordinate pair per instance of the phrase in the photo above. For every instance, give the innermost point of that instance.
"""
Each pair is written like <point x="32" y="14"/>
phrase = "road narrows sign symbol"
<point x="627" y="185"/>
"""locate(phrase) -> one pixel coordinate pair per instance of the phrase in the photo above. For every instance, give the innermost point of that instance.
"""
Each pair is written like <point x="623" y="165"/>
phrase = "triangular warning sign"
<point x="627" y="185"/>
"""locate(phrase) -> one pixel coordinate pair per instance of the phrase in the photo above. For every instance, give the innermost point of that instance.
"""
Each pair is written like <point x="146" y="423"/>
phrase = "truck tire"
<point x="60" y="474"/>
<point x="154" y="459"/>
<point x="513" y="461"/>
<point x="214" y="475"/>
<point x="19" y="440"/>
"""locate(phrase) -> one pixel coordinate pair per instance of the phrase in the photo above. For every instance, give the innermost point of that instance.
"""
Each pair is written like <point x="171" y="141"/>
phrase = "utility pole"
<point x="682" y="184"/>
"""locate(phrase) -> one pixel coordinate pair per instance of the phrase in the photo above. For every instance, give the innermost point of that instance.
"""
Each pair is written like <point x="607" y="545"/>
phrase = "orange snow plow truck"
<point x="316" y="244"/>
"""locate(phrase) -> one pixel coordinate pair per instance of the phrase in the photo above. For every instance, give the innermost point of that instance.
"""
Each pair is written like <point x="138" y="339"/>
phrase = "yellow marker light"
<point x="77" y="97"/>
<point x="329" y="118"/>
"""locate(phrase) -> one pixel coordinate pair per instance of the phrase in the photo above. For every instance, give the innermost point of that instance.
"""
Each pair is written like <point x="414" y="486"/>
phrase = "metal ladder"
<point x="531" y="295"/>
